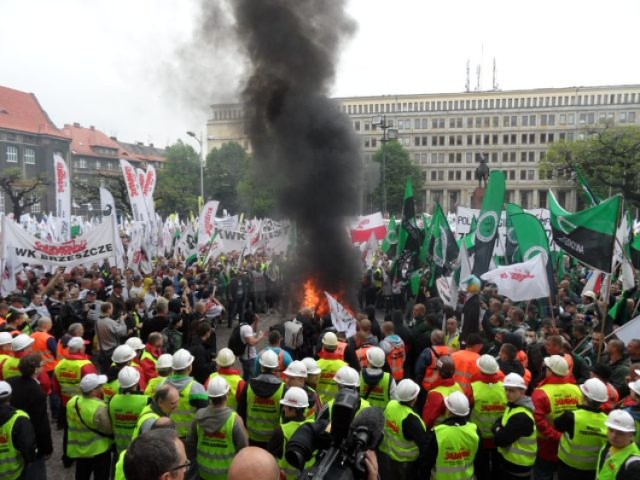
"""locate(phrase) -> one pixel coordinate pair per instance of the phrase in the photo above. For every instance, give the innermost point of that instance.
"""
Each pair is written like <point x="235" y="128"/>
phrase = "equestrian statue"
<point x="482" y="171"/>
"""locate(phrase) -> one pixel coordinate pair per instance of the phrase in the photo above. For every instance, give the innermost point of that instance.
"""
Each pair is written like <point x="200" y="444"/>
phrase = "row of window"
<point x="472" y="157"/>
<point x="587" y="118"/>
<point x="457" y="175"/>
<point x="478" y="139"/>
<point x="492" y="103"/>
<point x="28" y="155"/>
<point x="35" y="208"/>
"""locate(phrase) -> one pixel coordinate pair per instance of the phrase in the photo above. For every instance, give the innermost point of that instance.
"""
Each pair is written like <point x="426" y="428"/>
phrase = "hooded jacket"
<point x="211" y="420"/>
<point x="264" y="385"/>
<point x="519" y="425"/>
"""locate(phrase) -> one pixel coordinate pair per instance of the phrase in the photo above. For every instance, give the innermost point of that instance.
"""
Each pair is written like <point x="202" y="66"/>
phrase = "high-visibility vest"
<point x="263" y="414"/>
<point x="612" y="465"/>
<point x="445" y="392"/>
<point x="337" y="354"/>
<point x="82" y="442"/>
<point x="314" y="403"/>
<point x="124" y="410"/>
<point x="288" y="429"/>
<point x="562" y="398"/>
<point x="361" y="353"/>
<point x="40" y="345"/>
<point x="153" y="385"/>
<point x="378" y="395"/>
<point x="395" y="358"/>
<point x="453" y="341"/>
<point x="431" y="374"/>
<point x="215" y="450"/>
<point x="3" y="358"/>
<point x="326" y="387"/>
<point x="589" y="436"/>
<point x="11" y="461"/>
<point x="394" y="444"/>
<point x="569" y="360"/>
<point x="466" y="367"/>
<point x="457" y="447"/>
<point x="69" y="373"/>
<point x="363" y="404"/>
<point x="147" y="413"/>
<point x="10" y="368"/>
<point x="523" y="451"/>
<point x="233" y="381"/>
<point x="110" y="389"/>
<point x="119" y="472"/>
<point x="184" y="415"/>
<point x="61" y="351"/>
<point x="489" y="403"/>
<point x="146" y="355"/>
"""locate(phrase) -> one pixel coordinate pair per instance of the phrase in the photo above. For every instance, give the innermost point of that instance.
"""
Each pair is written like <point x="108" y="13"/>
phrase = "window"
<point x="416" y="123"/>
<point x="623" y="117"/>
<point x="468" y="157"/>
<point x="525" y="120"/>
<point x="400" y="125"/>
<point x="425" y="140"/>
<point x="543" y="119"/>
<point x="434" y="123"/>
<point x="367" y="126"/>
<point x="458" y="175"/>
<point x="523" y="156"/>
<point x="494" y="157"/>
<point x="425" y="123"/>
<point x="512" y="174"/>
<point x="12" y="154"/>
<point x="532" y="156"/>
<point x="416" y="141"/>
<point x="494" y="139"/>
<point x="514" y="121"/>
<point x="81" y="163"/>
<point x="469" y="139"/>
<point x="563" y="119"/>
<point x="1" y="202"/>
<point x="434" y="175"/>
<point x="366" y="143"/>
<point x="478" y="122"/>
<point x="374" y="142"/>
<point x="523" y="174"/>
<point x="423" y="159"/>
<point x="469" y="122"/>
<point x="631" y="117"/>
<point x="452" y="122"/>
<point x="552" y="119"/>
<point x="505" y="139"/>
<point x="29" y="156"/>
<point x="496" y="121"/>
<point x="109" y="166"/>
<point x="469" y="175"/>
<point x="450" y="175"/>
<point x="35" y="208"/>
<point x="356" y="125"/>
<point x="98" y="166"/>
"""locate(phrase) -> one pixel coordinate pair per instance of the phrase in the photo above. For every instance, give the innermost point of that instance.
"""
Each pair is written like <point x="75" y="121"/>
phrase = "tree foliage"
<point x="178" y="184"/>
<point x="609" y="156"/>
<point x="225" y="169"/>
<point x="89" y="192"/>
<point x="398" y="167"/>
<point x="22" y="192"/>
<point x="256" y="196"/>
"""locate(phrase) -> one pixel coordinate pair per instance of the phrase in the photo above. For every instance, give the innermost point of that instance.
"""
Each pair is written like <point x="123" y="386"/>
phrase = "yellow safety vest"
<point x="562" y="398"/>
<point x="69" y="373"/>
<point x="445" y="392"/>
<point x="110" y="389"/>
<point x="147" y="413"/>
<point x="146" y="355"/>
<point x="612" y="465"/>
<point x="233" y="381"/>
<point x="85" y="443"/>
<point x="489" y="403"/>
<point x="457" y="448"/>
<point x="394" y="444"/>
<point x="124" y="410"/>
<point x="263" y="414"/>
<point x="326" y="387"/>
<point x="523" y="451"/>
<point x="11" y="461"/>
<point x="215" y="450"/>
<point x="119" y="473"/>
<point x="589" y="436"/>
<point x="184" y="415"/>
<point x="153" y="385"/>
<point x="288" y="429"/>
<point x="378" y="395"/>
<point x="10" y="368"/>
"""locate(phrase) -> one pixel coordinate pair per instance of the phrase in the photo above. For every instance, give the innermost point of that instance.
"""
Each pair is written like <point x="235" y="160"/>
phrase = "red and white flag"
<point x="206" y="225"/>
<point x="363" y="227"/>
<point x="63" y="195"/>
<point x="136" y="198"/>
<point x="521" y="281"/>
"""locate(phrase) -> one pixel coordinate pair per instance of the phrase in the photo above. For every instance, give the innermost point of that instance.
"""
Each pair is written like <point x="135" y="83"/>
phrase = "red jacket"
<point x="147" y="365"/>
<point x="483" y="377"/>
<point x="547" y="445"/>
<point x="434" y="406"/>
<point x="143" y="378"/>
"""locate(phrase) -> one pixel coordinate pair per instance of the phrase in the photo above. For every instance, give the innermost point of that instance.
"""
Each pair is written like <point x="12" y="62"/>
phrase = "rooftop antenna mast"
<point x="479" y="71"/>
<point x="495" y="75"/>
<point x="467" y="82"/>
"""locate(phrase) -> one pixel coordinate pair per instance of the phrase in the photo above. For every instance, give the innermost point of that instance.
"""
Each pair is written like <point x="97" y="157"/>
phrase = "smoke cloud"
<point x="303" y="144"/>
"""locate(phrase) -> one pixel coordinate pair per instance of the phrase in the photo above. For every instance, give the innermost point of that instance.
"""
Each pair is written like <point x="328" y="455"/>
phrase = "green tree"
<point x="178" y="184"/>
<point x="22" y="192"/>
<point x="257" y="197"/>
<point x="398" y="167"/>
<point x="225" y="168"/>
<point x="89" y="192"/>
<point x="609" y="157"/>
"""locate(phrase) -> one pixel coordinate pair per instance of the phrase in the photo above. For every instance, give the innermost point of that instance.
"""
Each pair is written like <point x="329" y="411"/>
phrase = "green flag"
<point x="424" y="248"/>
<point x="487" y="228"/>
<point x="391" y="239"/>
<point x="443" y="247"/>
<point x="410" y="235"/>
<point x="592" y="198"/>
<point x="634" y="251"/>
<point x="588" y="235"/>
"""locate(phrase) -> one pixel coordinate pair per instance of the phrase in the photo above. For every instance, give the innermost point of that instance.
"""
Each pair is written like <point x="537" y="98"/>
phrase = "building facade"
<point x="446" y="134"/>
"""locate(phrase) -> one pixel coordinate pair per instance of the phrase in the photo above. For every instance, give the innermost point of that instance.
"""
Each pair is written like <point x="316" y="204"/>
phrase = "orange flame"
<point x="316" y="300"/>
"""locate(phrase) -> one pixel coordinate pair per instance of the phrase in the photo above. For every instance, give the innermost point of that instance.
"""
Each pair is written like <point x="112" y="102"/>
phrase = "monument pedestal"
<point x="477" y="197"/>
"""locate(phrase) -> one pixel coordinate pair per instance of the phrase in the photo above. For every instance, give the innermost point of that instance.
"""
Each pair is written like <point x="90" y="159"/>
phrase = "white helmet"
<point x="376" y="357"/>
<point x="269" y="359"/>
<point x="21" y="342"/>
<point x="122" y="354"/>
<point x="296" y="369"/>
<point x="312" y="366"/>
<point x="635" y="387"/>
<point x="458" y="404"/>
<point x="164" y="361"/>
<point x="595" y="389"/>
<point x="407" y="390"/>
<point x="5" y="338"/>
<point x="514" y="380"/>
<point x="225" y="358"/>
<point x="217" y="387"/>
<point x="330" y="339"/>
<point x="295" y="397"/>
<point x="135" y="343"/>
<point x="621" y="420"/>
<point x="181" y="359"/>
<point x="128" y="377"/>
<point x="347" y="377"/>
<point x="557" y="365"/>
<point x="487" y="364"/>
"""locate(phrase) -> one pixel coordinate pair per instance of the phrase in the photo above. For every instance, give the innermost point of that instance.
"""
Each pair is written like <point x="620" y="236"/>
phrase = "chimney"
<point x="114" y="138"/>
<point x="76" y="124"/>
<point x="151" y="145"/>
<point x="141" y="144"/>
<point x="91" y="127"/>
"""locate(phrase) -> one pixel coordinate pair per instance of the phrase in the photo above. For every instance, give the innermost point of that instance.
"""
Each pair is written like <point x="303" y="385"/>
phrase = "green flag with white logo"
<point x="590" y="194"/>
<point x="588" y="235"/>
<point x="487" y="227"/>
<point x="443" y="248"/>
<point x="391" y="238"/>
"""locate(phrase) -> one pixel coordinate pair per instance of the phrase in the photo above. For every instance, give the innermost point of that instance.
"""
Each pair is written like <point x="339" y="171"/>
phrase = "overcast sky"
<point x="113" y="64"/>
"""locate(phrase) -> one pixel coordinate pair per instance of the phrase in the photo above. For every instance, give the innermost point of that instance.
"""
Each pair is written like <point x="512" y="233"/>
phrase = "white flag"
<point x="63" y="195"/>
<point x="136" y="198"/>
<point x="521" y="281"/>
<point x="370" y="248"/>
<point x="629" y="330"/>
<point x="590" y="286"/>
<point x="342" y="320"/>
<point x="206" y="225"/>
<point x="466" y="266"/>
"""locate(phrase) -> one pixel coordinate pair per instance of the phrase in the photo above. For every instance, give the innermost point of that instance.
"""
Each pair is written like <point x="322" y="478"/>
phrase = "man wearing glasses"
<point x="156" y="455"/>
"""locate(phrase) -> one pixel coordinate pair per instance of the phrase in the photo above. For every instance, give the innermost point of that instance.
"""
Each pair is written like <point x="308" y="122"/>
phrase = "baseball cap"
<point x="91" y="382"/>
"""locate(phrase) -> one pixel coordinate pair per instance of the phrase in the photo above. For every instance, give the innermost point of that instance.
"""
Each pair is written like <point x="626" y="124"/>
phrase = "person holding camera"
<point x="110" y="333"/>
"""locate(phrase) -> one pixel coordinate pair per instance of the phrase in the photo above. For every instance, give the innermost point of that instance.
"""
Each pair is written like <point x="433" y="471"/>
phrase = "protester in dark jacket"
<point x="203" y="353"/>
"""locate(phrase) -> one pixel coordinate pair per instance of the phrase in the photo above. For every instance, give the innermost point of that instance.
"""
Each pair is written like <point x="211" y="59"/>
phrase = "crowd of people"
<point x="128" y="367"/>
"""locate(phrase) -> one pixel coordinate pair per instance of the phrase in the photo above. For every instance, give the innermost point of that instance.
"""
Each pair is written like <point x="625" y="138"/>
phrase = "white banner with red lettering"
<point x="362" y="228"/>
<point x="342" y="320"/>
<point x="136" y="198"/>
<point x="63" y="195"/>
<point x="521" y="281"/>
<point x="96" y="244"/>
<point x="206" y="225"/>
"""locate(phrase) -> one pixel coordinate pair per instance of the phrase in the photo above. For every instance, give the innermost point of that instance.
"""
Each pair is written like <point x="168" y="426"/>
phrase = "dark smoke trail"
<point x="304" y="143"/>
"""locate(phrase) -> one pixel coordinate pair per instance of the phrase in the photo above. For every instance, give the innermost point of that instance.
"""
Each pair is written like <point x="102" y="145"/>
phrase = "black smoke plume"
<point x="304" y="145"/>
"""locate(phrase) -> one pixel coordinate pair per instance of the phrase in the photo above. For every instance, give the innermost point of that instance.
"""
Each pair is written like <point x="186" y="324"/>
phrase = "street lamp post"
<point x="388" y="133"/>
<point x="199" y="140"/>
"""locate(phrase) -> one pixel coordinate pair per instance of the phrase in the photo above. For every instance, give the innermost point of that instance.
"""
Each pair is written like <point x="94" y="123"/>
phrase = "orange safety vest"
<point x="614" y="397"/>
<point x="361" y="353"/>
<point x="430" y="374"/>
<point x="395" y="359"/>
<point x="61" y="351"/>
<point x="40" y="345"/>
<point x="527" y="376"/>
<point x="522" y="358"/>
<point x="281" y="367"/>
<point x="569" y="360"/>
<point x="466" y="367"/>
<point x="338" y="354"/>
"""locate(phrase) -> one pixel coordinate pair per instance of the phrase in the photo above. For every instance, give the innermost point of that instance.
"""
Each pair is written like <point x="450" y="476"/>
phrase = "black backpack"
<point x="236" y="345"/>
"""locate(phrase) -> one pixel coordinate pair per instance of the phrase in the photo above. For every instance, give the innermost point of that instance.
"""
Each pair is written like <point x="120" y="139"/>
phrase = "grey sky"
<point x="113" y="64"/>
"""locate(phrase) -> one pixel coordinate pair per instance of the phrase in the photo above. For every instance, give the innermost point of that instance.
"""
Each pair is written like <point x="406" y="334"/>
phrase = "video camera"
<point x="342" y="443"/>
